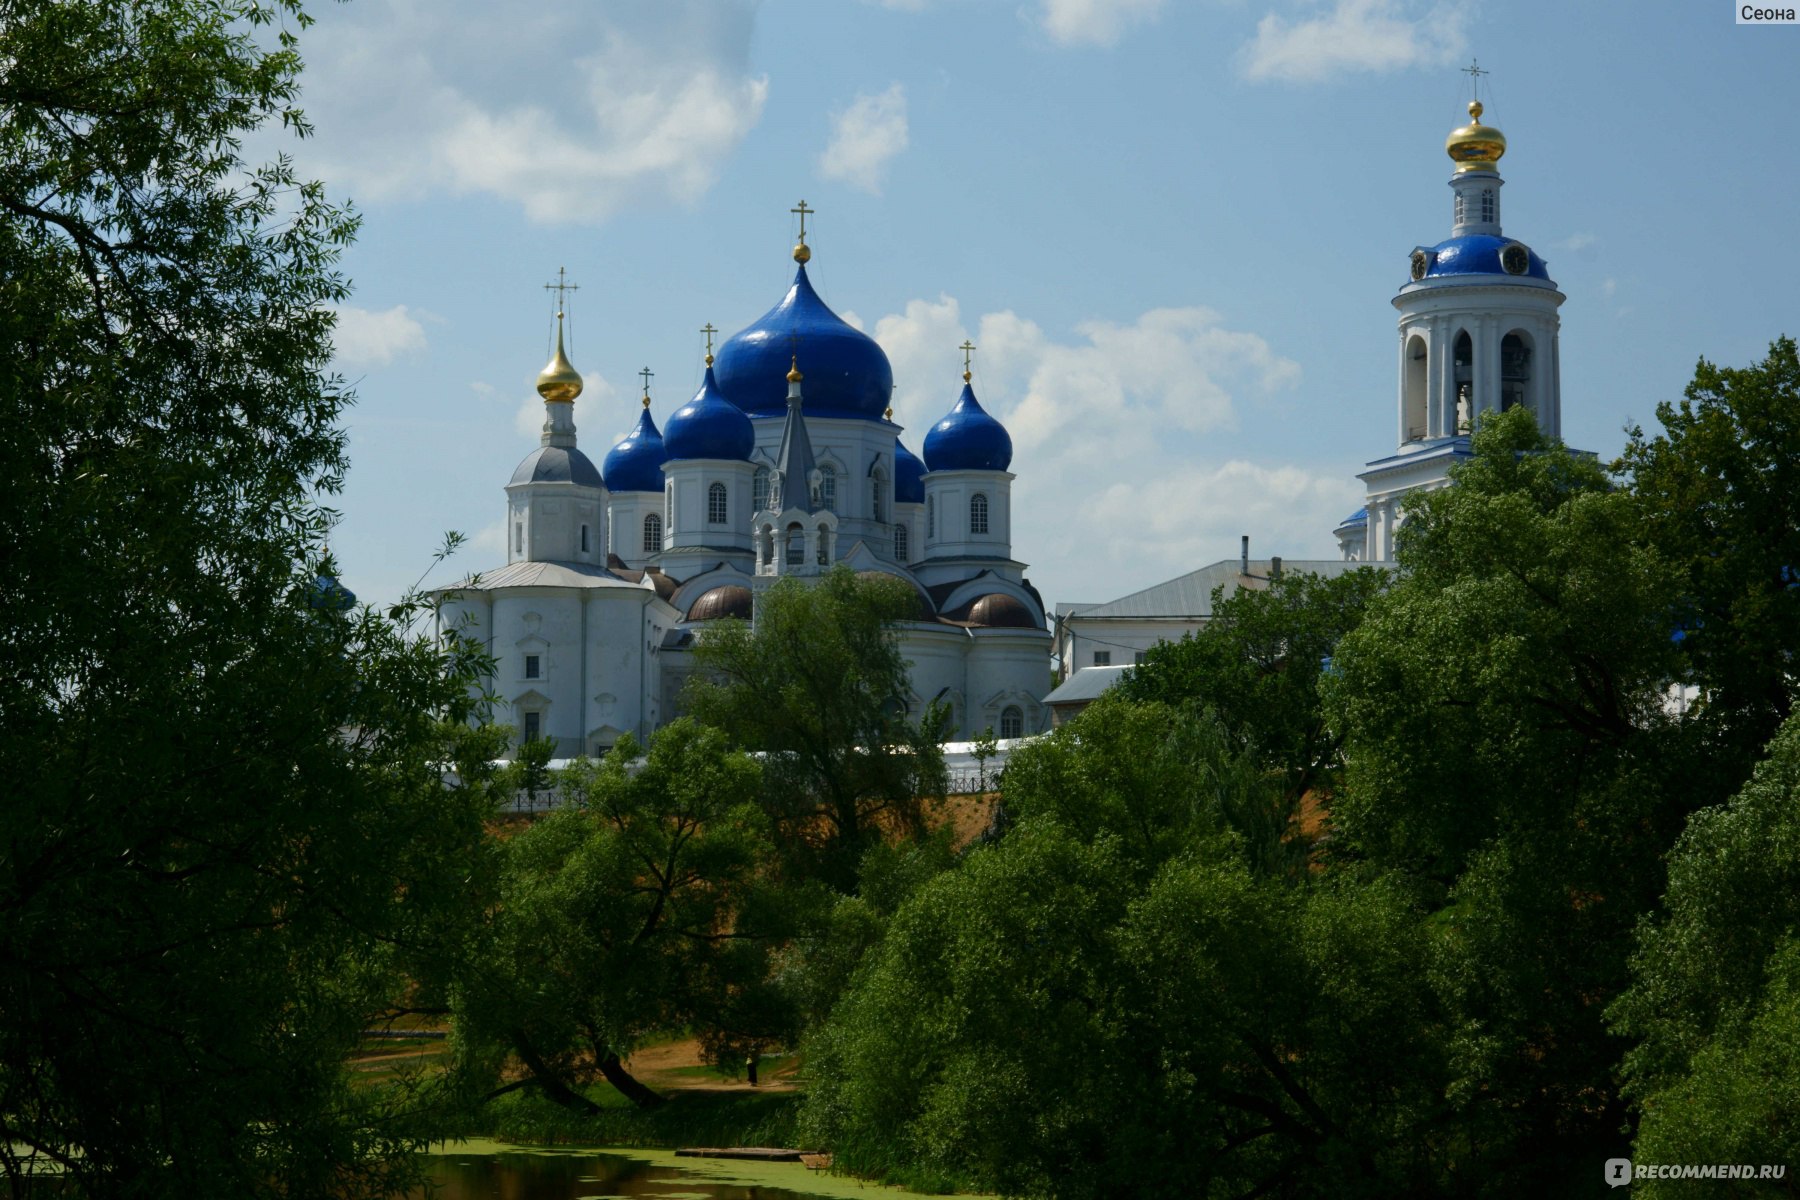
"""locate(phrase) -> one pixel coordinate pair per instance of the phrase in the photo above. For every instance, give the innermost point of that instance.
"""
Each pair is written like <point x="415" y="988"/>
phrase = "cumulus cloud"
<point x="1120" y="433"/>
<point x="571" y="111"/>
<point x="864" y="137"/>
<point x="1577" y="242"/>
<point x="1095" y="22"/>
<point x="374" y="339"/>
<point x="1355" y="36"/>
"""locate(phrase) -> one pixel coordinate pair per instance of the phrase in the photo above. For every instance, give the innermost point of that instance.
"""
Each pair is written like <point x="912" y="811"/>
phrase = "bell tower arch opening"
<point x="1416" y="389"/>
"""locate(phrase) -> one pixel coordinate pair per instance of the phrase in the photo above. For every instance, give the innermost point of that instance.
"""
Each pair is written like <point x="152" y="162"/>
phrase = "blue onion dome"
<point x="328" y="595"/>
<point x="968" y="439"/>
<point x="847" y="373"/>
<point x="909" y="476"/>
<point x="1483" y="254"/>
<point x="557" y="464"/>
<point x="709" y="426"/>
<point x="635" y="464"/>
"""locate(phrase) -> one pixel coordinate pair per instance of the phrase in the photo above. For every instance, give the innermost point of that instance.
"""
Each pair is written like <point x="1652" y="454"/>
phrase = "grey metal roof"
<point x="1190" y="595"/>
<point x="1085" y="684"/>
<point x="556" y="464"/>
<point x="543" y="574"/>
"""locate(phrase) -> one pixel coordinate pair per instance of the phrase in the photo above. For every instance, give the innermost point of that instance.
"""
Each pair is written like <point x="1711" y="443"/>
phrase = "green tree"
<point x="1510" y="756"/>
<point x="817" y="684"/>
<point x="226" y="821"/>
<point x="1714" y="1003"/>
<point x="638" y="906"/>
<point x="1718" y="494"/>
<point x="1256" y="666"/>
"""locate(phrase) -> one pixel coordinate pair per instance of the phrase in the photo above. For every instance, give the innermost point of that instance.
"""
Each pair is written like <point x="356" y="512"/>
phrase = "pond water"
<point x="481" y="1170"/>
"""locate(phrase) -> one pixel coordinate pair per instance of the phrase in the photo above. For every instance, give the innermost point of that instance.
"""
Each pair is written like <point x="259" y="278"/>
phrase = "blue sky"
<point x="1172" y="228"/>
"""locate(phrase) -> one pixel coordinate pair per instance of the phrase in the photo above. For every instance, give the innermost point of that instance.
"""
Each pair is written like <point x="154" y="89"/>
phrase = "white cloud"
<point x="1609" y="288"/>
<point x="1095" y="22"/>
<point x="864" y="137"/>
<point x="1355" y="35"/>
<point x="570" y="111"/>
<point x="374" y="339"/>
<point x="1150" y="401"/>
<point x="1577" y="242"/>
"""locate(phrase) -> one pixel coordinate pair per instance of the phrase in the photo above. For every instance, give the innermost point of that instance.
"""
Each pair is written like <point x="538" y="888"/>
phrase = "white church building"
<point x="1478" y="334"/>
<point x="785" y="462"/>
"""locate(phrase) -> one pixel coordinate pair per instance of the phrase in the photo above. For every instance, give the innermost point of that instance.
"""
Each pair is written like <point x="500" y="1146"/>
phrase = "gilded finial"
<point x="794" y="375"/>
<point x="708" y="330"/>
<point x="802" y="254"/>
<point x="968" y="348"/>
<point x="889" y="414"/>
<point x="559" y="380"/>
<point x="1475" y="147"/>
<point x="646" y="375"/>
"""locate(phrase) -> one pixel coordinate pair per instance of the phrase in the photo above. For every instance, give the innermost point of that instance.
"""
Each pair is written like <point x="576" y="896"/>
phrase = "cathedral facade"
<point x="786" y="462"/>
<point x="1478" y="334"/>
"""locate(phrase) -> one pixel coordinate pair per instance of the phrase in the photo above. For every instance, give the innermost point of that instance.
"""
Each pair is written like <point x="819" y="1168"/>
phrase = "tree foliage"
<point x="226" y="824"/>
<point x="637" y="907"/>
<point x="817" y="683"/>
<point x="1714" y="1004"/>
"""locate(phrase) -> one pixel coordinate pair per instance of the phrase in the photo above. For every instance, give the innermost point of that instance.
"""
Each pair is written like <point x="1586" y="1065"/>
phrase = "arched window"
<point x="1012" y="722"/>
<point x="1459" y="208"/>
<point x="759" y="489"/>
<point x="1487" y="205"/>
<point x="716" y="509"/>
<point x="978" y="513"/>
<point x="796" y="545"/>
<point x="824" y="546"/>
<point x="1462" y="361"/>
<point x="900" y="555"/>
<point x="653" y="533"/>
<point x="827" y="487"/>
<point x="931" y="516"/>
<point x="1417" y="389"/>
<point x="878" y="495"/>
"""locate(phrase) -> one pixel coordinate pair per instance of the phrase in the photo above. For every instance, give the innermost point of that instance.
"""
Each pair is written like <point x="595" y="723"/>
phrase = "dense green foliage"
<point x="1153" y="977"/>
<point x="639" y="906"/>
<point x="1714" y="1006"/>
<point x="226" y="830"/>
<point x="817" y="683"/>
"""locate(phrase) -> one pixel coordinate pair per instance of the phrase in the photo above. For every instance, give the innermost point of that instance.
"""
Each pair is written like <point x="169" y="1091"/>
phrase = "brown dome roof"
<point x="997" y="610"/>
<point x="731" y="600"/>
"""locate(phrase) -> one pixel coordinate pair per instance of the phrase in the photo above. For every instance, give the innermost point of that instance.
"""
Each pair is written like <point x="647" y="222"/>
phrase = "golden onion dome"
<point x="1475" y="147"/>
<point x="794" y="375"/>
<point x="559" y="380"/>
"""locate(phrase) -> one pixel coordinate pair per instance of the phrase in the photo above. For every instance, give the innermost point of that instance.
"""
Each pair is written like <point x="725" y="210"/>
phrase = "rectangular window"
<point x="534" y="726"/>
<point x="584" y="546"/>
<point x="1103" y="658"/>
<point x="1138" y="658"/>
<point x="533" y="667"/>
<point x="1487" y="205"/>
<point x="518" y="537"/>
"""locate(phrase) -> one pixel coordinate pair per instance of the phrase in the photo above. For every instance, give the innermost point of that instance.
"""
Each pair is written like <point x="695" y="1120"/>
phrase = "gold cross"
<point x="803" y="211"/>
<point x="1474" y="71"/>
<point x="968" y="348"/>
<point x="561" y="286"/>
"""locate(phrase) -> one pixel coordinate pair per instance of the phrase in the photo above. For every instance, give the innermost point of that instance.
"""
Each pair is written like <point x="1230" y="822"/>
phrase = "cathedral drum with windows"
<point x="785" y="462"/>
<point x="1478" y="334"/>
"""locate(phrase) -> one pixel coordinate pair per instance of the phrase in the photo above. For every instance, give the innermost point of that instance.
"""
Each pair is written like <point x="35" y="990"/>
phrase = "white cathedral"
<point x="786" y="462"/>
<point x="1478" y="334"/>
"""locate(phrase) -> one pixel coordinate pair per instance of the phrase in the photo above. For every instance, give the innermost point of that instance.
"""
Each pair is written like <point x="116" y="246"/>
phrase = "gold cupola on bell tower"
<point x="1475" y="147"/>
<point x="559" y="380"/>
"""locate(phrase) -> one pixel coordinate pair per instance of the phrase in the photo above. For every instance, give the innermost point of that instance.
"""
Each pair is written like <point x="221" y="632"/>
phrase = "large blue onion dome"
<point x="847" y="374"/>
<point x="557" y="464"/>
<point x="968" y="439"/>
<point x="909" y="476"/>
<point x="635" y="464"/>
<point x="1483" y="254"/>
<point x="709" y="426"/>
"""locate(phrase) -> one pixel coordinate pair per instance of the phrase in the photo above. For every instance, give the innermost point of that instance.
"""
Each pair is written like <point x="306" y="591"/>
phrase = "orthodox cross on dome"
<point x="968" y="349"/>
<point x="801" y="252"/>
<point x="708" y="330"/>
<point x="646" y="375"/>
<point x="560" y="287"/>
<point x="1475" y="71"/>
